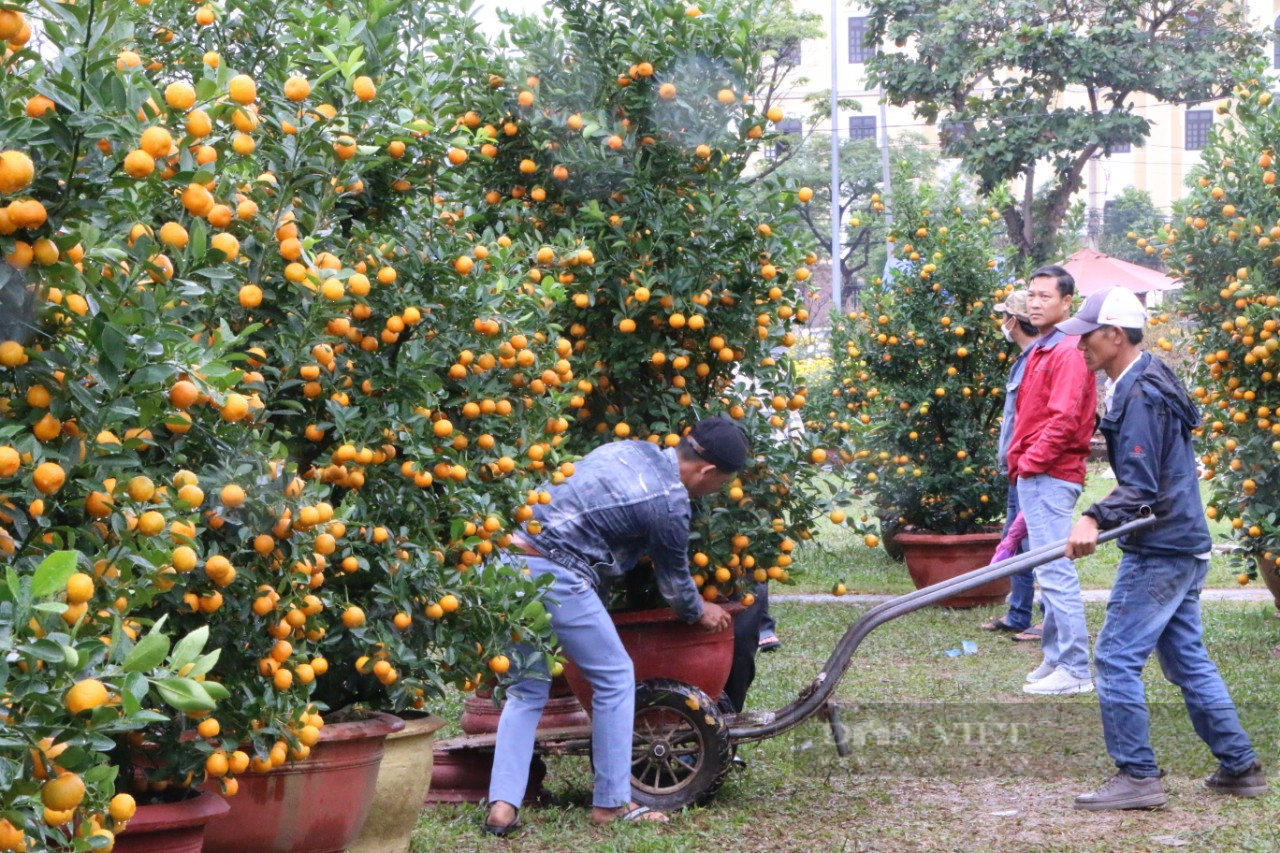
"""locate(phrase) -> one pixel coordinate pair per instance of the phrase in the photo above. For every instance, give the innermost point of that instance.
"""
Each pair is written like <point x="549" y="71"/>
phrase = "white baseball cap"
<point x="1114" y="306"/>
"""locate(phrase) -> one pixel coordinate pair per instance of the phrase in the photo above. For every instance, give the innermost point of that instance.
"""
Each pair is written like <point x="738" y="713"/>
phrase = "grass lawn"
<point x="948" y="755"/>
<point x="836" y="554"/>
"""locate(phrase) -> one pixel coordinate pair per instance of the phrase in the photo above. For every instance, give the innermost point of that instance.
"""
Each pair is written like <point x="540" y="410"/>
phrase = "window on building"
<point x="789" y="52"/>
<point x="862" y="127"/>
<point x="790" y="130"/>
<point x="1275" y="44"/>
<point x="859" y="50"/>
<point x="1198" y="125"/>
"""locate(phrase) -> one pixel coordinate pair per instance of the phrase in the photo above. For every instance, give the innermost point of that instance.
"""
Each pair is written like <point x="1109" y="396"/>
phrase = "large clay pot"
<point x="480" y="714"/>
<point x="403" y="780"/>
<point x="661" y="645"/>
<point x="314" y="806"/>
<point x="934" y="557"/>
<point x="1270" y="575"/>
<point x="171" y="827"/>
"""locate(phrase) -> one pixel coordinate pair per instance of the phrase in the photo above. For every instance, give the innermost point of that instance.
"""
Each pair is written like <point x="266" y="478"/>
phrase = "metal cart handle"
<point x="813" y="697"/>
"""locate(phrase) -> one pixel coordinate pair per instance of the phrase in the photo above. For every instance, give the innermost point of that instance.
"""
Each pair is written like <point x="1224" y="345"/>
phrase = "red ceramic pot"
<point x="171" y="827"/>
<point x="661" y="645"/>
<point x="460" y="776"/>
<point x="480" y="714"/>
<point x="313" y="806"/>
<point x="934" y="557"/>
<point x="1270" y="575"/>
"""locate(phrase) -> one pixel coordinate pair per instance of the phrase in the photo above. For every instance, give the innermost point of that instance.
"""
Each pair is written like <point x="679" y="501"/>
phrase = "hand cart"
<point x="683" y="745"/>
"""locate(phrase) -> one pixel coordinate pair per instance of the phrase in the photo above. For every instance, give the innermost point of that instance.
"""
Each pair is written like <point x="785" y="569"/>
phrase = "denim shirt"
<point x="623" y="501"/>
<point x="1010" y="407"/>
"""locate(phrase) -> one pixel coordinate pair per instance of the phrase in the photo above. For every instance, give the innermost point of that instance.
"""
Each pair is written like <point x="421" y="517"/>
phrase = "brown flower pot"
<point x="480" y="714"/>
<point x="935" y="557"/>
<point x="403" y="780"/>
<point x="171" y="827"/>
<point x="663" y="646"/>
<point x="460" y="776"/>
<point x="314" y="806"/>
<point x="1270" y="575"/>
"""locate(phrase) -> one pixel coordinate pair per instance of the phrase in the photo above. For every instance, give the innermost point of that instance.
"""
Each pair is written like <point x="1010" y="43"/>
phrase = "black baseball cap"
<point x="721" y="442"/>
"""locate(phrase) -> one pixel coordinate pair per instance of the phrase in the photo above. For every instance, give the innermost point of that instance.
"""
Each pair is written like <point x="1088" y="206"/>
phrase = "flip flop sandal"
<point x="638" y="815"/>
<point x="501" y="830"/>
<point x="769" y="644"/>
<point x="1033" y="634"/>
<point x="997" y="625"/>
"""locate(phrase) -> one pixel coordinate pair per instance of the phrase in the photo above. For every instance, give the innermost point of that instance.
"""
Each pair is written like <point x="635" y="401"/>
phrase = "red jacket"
<point x="1056" y="412"/>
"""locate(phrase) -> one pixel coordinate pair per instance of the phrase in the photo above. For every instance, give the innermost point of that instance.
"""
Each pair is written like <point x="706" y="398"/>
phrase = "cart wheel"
<point x="680" y="750"/>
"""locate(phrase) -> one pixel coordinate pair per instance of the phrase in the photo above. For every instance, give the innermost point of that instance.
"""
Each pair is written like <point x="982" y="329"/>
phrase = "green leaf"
<point x="216" y="690"/>
<point x="189" y="647"/>
<point x="49" y="607"/>
<point x="204" y="663"/>
<point x="45" y="650"/>
<point x="148" y="653"/>
<point x="52" y="573"/>
<point x="185" y="695"/>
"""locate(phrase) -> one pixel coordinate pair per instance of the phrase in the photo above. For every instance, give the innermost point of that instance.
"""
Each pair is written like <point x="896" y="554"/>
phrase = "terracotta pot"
<point x="1267" y="570"/>
<point x="480" y="714"/>
<point x="460" y="776"/>
<point x="313" y="806"/>
<point x="403" y="779"/>
<point x="663" y="646"/>
<point x="935" y="557"/>
<point x="172" y="827"/>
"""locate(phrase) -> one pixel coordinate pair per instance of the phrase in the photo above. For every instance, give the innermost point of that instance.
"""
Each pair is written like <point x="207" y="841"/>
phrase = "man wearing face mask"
<point x="1015" y="325"/>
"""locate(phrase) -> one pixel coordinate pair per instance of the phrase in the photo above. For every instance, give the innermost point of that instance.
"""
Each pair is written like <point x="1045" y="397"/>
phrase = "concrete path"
<point x="1243" y="594"/>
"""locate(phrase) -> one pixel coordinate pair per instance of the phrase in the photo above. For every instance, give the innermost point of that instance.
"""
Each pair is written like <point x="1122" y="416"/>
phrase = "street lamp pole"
<point x="837" y="300"/>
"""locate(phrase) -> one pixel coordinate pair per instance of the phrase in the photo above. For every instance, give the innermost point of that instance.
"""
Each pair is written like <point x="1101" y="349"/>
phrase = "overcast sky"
<point x="485" y="10"/>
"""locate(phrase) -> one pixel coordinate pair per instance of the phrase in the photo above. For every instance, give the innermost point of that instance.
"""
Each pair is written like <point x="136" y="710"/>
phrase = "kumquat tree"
<point x="262" y="373"/>
<point x="626" y="132"/>
<point x="918" y="382"/>
<point x="301" y="307"/>
<point x="1224" y="246"/>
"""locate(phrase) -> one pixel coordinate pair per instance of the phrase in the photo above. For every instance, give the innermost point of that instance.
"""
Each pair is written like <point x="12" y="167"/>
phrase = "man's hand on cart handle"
<point x="1083" y="539"/>
<point x="714" y="618"/>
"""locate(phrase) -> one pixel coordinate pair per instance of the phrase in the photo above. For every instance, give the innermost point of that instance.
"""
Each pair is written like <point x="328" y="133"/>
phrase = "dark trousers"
<point x="746" y="640"/>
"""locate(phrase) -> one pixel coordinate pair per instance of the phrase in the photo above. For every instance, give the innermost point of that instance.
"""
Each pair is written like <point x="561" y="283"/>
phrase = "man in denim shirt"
<point x="625" y="500"/>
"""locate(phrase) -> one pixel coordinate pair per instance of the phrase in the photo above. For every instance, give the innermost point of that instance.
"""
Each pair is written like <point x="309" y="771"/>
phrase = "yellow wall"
<point x="1160" y="168"/>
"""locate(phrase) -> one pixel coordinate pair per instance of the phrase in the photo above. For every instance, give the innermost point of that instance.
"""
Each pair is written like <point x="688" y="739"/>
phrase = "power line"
<point x="1018" y="117"/>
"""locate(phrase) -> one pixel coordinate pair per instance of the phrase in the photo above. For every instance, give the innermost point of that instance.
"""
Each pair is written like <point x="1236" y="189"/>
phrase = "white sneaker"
<point x="1059" y="684"/>
<point x="1044" y="670"/>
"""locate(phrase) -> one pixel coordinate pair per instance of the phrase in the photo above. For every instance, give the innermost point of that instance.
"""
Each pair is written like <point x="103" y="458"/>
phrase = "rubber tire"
<point x="675" y="720"/>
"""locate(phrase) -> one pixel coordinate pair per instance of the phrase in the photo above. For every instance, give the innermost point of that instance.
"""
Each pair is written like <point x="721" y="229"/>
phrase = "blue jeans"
<point x="1022" y="586"/>
<point x="588" y="637"/>
<point x="1155" y="605"/>
<point x="1047" y="505"/>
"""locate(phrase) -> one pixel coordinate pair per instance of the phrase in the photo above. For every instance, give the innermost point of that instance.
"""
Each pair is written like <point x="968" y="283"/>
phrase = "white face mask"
<point x="1004" y="330"/>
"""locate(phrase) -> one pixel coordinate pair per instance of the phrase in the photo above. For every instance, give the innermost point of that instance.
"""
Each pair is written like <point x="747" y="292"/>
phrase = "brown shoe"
<point x="1123" y="791"/>
<point x="1250" y="782"/>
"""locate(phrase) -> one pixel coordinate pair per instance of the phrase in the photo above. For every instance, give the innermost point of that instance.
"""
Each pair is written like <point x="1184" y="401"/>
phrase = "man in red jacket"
<point x="1056" y="411"/>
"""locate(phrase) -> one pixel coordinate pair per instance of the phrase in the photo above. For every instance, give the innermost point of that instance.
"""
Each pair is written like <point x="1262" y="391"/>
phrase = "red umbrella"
<point x="1093" y="271"/>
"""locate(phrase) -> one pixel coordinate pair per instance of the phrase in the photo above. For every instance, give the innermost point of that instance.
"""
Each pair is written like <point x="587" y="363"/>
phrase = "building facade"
<point x="1160" y="167"/>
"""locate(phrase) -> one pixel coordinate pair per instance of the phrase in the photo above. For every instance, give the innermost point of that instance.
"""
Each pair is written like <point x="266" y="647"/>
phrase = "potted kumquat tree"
<point x="919" y="382"/>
